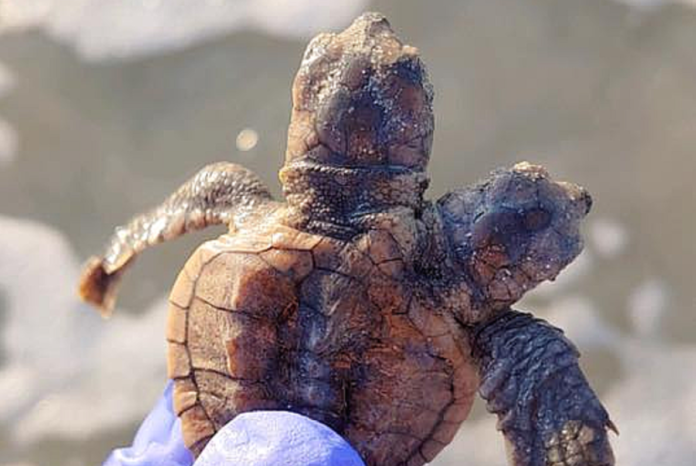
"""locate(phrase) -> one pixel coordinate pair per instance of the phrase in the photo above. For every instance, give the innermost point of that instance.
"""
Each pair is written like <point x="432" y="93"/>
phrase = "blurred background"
<point x="106" y="106"/>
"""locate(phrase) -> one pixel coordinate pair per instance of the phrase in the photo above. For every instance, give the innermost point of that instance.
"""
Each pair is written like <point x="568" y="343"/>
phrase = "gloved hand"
<point x="261" y="438"/>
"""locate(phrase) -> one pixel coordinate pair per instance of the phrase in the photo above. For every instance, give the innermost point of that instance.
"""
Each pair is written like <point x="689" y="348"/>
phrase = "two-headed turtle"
<point x="357" y="302"/>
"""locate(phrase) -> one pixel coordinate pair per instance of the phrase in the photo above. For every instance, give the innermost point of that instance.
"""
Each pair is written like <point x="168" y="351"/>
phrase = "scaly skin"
<point x="531" y="379"/>
<point x="214" y="196"/>
<point x="359" y="303"/>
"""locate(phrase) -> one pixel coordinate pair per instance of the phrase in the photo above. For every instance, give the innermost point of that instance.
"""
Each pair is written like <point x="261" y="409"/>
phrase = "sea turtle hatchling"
<point x="357" y="302"/>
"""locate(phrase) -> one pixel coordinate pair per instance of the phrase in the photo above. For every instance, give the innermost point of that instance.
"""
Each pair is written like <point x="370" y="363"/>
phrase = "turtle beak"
<point x="585" y="201"/>
<point x="579" y="197"/>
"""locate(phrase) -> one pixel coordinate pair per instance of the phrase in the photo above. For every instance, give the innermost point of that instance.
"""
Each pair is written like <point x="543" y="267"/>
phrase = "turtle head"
<point x="515" y="230"/>
<point x="361" y="98"/>
<point x="361" y="129"/>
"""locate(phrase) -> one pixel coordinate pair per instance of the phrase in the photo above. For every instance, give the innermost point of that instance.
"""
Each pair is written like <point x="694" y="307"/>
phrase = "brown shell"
<point x="281" y="319"/>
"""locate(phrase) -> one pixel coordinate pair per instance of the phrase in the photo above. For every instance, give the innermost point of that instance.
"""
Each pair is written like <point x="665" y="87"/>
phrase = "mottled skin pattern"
<point x="357" y="302"/>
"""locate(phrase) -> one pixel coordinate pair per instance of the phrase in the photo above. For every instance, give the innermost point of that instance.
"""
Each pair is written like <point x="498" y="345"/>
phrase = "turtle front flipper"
<point x="546" y="409"/>
<point x="216" y="195"/>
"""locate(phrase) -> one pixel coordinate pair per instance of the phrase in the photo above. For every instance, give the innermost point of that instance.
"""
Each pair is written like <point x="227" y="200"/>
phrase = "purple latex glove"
<point x="270" y="438"/>
<point x="261" y="438"/>
<point x="158" y="441"/>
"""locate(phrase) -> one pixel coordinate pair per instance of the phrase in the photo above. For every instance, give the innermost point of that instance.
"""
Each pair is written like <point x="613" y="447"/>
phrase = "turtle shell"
<point x="275" y="318"/>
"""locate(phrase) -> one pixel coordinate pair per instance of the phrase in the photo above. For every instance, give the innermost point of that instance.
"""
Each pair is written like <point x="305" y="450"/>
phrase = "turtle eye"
<point x="494" y="227"/>
<point x="536" y="219"/>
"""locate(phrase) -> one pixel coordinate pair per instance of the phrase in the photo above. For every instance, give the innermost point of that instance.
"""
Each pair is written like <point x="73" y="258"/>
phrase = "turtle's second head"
<point x="515" y="230"/>
<point x="361" y="98"/>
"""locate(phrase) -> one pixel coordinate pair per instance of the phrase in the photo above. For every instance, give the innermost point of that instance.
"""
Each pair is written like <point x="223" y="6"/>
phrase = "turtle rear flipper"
<point x="97" y="287"/>
<point x="216" y="195"/>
